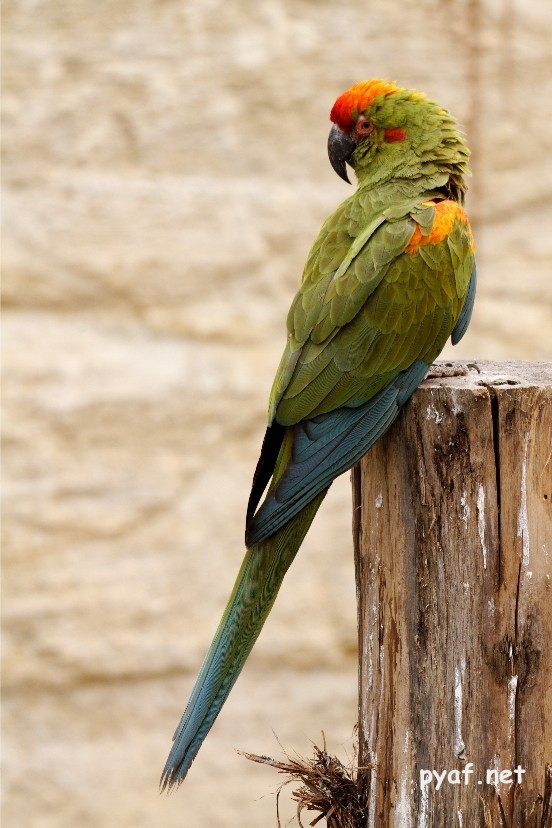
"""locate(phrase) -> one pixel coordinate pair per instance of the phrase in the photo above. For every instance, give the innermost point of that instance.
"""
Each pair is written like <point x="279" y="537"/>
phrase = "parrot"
<point x="390" y="277"/>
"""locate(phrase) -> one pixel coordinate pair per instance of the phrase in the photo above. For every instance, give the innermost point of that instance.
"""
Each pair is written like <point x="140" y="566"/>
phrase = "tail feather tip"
<point x="171" y="778"/>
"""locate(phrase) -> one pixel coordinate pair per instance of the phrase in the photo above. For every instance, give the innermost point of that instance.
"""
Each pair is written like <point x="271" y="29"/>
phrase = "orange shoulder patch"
<point x="446" y="213"/>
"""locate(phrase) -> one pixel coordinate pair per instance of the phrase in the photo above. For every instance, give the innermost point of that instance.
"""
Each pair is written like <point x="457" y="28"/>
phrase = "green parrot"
<point x="389" y="278"/>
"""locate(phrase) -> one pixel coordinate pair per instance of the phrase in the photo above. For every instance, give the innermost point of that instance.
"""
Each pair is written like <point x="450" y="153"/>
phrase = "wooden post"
<point x="453" y="548"/>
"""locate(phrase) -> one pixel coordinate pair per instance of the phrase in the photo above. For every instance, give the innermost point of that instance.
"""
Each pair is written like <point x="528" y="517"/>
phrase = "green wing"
<point x="366" y="309"/>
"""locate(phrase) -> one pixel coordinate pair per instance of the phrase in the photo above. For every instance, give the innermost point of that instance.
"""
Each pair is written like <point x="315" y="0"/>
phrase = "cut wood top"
<point x="476" y="373"/>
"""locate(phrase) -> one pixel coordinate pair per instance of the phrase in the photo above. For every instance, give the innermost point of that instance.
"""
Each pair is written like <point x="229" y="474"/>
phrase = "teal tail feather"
<point x="255" y="590"/>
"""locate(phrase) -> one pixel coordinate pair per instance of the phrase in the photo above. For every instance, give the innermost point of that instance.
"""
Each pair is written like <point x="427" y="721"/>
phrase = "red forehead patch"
<point x="357" y="99"/>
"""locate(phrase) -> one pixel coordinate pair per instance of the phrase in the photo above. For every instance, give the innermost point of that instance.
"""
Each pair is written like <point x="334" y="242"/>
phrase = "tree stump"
<point x="453" y="546"/>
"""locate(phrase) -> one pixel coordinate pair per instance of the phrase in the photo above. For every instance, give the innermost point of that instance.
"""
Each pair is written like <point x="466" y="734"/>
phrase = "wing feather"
<point x="366" y="325"/>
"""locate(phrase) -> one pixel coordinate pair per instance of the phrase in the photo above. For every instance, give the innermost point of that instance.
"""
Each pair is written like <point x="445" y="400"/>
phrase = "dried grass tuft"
<point x="327" y="787"/>
<point x="338" y="793"/>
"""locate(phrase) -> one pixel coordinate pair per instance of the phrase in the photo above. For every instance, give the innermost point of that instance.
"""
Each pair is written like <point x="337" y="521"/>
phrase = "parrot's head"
<point x="385" y="132"/>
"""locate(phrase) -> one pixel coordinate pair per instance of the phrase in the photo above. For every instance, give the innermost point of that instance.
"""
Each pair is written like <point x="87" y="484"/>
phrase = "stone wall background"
<point x="165" y="173"/>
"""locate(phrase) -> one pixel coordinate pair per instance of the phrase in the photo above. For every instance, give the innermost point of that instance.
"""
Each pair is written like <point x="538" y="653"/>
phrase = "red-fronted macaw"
<point x="389" y="278"/>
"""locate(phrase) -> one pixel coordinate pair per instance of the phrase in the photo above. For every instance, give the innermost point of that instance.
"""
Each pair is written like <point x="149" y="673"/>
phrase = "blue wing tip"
<point x="465" y="314"/>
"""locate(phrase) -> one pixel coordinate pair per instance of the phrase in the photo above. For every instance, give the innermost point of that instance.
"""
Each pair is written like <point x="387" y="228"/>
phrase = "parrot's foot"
<point x="449" y="369"/>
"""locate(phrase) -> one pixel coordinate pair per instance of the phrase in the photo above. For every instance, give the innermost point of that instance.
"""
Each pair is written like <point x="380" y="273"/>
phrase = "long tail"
<point x="256" y="587"/>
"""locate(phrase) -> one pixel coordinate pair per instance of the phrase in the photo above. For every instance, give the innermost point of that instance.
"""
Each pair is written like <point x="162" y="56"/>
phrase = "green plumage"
<point x="389" y="278"/>
<point x="366" y="309"/>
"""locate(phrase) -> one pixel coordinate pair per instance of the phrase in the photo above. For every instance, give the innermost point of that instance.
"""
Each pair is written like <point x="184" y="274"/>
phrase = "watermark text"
<point x="493" y="776"/>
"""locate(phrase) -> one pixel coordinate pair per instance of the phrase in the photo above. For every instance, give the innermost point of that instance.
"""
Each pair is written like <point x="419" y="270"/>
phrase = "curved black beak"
<point x="340" y="150"/>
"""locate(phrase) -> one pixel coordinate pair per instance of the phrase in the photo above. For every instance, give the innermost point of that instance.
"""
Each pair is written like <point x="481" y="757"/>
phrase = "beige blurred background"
<point x="165" y="173"/>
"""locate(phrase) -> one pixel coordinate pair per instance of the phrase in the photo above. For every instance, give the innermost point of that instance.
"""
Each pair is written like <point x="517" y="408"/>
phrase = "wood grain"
<point x="453" y="544"/>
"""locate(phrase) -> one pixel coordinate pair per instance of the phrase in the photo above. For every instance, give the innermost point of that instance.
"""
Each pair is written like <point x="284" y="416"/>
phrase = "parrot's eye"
<point x="363" y="127"/>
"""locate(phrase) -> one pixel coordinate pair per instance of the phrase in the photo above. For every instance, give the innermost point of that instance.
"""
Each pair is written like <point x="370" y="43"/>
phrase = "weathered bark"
<point x="453" y="539"/>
